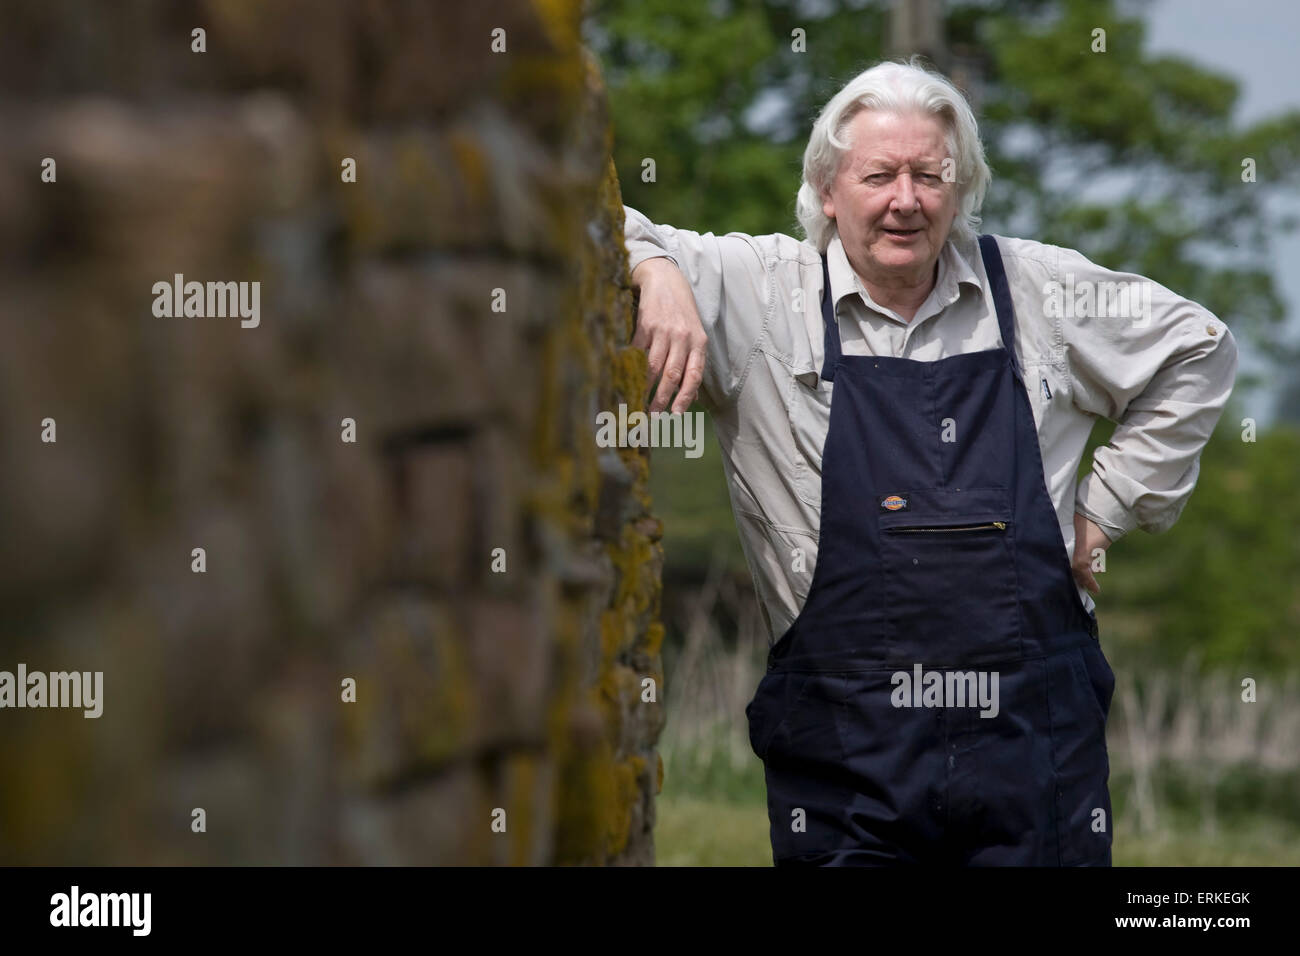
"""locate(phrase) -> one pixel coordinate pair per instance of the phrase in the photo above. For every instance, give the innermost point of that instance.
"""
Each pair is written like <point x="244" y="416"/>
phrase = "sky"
<point x="1254" y="41"/>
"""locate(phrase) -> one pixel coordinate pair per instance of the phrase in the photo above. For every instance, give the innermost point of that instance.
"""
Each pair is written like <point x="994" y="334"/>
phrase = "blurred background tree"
<point x="1134" y="159"/>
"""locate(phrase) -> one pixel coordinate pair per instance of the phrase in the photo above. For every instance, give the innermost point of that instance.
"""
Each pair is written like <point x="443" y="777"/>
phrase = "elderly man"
<point x="936" y="691"/>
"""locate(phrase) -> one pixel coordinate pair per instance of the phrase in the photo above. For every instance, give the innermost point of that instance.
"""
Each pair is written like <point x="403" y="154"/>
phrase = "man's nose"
<point x="904" y="194"/>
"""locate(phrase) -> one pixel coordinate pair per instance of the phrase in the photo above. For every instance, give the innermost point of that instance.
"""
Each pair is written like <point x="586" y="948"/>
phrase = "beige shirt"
<point x="1162" y="369"/>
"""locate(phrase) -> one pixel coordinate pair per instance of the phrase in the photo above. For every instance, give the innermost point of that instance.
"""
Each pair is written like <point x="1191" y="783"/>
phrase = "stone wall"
<point x="326" y="559"/>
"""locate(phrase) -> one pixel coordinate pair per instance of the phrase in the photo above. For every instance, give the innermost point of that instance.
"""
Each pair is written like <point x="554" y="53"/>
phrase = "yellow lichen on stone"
<point x="562" y="20"/>
<point x="472" y="165"/>
<point x="626" y="793"/>
<point x="632" y="557"/>
<point x="521" y="782"/>
<point x="654" y="638"/>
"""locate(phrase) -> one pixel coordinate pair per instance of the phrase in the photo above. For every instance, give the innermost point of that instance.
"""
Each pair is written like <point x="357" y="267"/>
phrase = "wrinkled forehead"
<point x="895" y="139"/>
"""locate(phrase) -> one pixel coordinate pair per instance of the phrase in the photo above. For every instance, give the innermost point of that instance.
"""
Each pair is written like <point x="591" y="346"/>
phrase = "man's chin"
<point x="904" y="258"/>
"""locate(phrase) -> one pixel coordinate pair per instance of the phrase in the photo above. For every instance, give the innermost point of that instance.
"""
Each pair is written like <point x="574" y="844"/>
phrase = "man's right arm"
<point x="703" y="299"/>
<point x="644" y="240"/>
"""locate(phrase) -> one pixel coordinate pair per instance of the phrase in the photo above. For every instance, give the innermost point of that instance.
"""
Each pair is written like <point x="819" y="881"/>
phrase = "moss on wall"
<point x="479" y="691"/>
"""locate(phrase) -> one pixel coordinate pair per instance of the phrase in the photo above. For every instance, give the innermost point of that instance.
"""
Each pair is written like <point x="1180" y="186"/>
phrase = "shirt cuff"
<point x="638" y="251"/>
<point x="1098" y="503"/>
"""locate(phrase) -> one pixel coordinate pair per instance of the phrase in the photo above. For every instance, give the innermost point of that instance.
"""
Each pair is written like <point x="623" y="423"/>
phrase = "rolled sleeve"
<point x="1163" y="373"/>
<point x="643" y="239"/>
<point x="730" y="280"/>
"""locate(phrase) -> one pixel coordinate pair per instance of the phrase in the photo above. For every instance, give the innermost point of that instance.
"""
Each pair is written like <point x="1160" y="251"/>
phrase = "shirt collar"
<point x="954" y="271"/>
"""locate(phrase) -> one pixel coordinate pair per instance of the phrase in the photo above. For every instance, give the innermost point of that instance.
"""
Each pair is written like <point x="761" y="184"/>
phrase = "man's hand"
<point x="1088" y="536"/>
<point x="668" y="327"/>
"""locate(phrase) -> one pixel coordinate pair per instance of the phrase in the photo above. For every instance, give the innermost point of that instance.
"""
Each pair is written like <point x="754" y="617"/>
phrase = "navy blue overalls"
<point x="940" y="558"/>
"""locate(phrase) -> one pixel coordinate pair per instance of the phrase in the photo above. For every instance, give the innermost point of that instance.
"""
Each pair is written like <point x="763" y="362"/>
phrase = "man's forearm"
<point x="648" y="268"/>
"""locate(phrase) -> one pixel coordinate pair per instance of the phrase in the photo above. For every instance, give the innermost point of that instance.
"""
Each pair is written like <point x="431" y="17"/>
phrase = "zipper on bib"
<point x="990" y="526"/>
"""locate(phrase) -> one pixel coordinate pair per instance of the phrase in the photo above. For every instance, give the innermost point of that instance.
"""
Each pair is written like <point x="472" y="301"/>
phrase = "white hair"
<point x="894" y="87"/>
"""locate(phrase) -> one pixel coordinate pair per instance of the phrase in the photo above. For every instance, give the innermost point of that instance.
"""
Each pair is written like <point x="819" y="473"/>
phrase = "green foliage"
<point x="683" y="79"/>
<point x="1222" y="587"/>
<point x="1132" y="159"/>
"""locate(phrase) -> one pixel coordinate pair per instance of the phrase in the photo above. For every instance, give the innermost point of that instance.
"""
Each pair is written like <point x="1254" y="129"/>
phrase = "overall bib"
<point x="940" y="558"/>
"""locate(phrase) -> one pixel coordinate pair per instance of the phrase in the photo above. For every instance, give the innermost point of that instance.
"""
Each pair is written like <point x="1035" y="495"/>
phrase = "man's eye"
<point x="878" y="179"/>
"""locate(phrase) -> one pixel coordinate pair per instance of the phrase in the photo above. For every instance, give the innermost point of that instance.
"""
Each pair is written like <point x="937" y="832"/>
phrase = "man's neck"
<point x="904" y="295"/>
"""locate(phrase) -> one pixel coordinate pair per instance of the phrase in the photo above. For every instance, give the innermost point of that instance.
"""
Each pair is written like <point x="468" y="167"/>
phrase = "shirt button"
<point x="1212" y="330"/>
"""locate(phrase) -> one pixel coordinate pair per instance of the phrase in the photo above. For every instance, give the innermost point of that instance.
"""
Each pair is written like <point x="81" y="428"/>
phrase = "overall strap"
<point x="997" y="274"/>
<point x="832" y="340"/>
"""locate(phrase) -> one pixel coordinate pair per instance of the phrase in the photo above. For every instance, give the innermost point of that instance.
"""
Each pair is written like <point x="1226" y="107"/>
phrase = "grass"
<point x="699" y="831"/>
<point x="1263" y="843"/>
<point x="712" y="812"/>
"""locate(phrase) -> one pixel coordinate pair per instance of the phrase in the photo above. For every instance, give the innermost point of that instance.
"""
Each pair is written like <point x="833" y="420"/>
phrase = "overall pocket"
<point x="794" y="728"/>
<point x="792" y="717"/>
<point x="950" y="582"/>
<point x="1100" y="677"/>
<point x="1078" y="697"/>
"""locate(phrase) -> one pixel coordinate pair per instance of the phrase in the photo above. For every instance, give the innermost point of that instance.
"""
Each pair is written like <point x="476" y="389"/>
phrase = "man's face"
<point x="889" y="199"/>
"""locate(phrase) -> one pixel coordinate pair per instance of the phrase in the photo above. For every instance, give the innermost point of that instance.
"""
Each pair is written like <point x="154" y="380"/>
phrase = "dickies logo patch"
<point x="894" y="503"/>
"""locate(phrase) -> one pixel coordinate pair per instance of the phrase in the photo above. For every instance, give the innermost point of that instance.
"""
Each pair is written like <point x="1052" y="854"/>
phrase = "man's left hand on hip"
<point x="1088" y="537"/>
